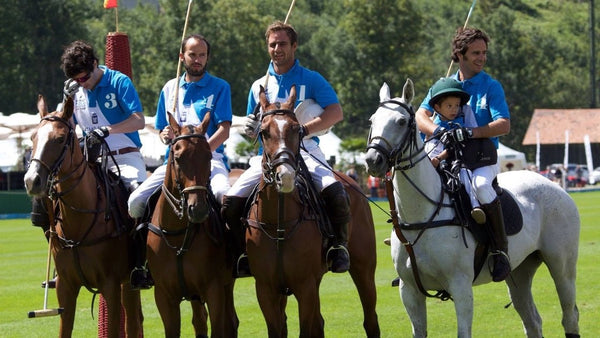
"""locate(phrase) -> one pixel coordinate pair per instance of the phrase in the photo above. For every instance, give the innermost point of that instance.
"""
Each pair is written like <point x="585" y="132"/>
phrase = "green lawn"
<point x="23" y="263"/>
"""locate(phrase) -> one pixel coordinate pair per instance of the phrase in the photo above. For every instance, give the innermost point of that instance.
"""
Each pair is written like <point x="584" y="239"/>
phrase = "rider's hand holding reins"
<point x="251" y="126"/>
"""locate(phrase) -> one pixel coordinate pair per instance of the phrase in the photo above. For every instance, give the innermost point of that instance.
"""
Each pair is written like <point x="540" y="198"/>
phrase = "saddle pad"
<point x="513" y="220"/>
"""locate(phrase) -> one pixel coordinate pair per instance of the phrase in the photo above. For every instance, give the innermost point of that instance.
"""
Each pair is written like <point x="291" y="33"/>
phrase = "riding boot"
<point x="140" y="278"/>
<point x="39" y="214"/>
<point x="499" y="242"/>
<point x="338" y="209"/>
<point x="232" y="212"/>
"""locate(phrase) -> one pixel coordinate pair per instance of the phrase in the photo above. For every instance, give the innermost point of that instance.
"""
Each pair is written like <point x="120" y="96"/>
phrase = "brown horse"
<point x="286" y="249"/>
<point x="186" y="248"/>
<point x="90" y="246"/>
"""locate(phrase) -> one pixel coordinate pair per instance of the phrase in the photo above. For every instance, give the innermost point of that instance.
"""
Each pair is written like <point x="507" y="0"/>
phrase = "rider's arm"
<point x="220" y="135"/>
<point x="495" y="128"/>
<point x="331" y="115"/>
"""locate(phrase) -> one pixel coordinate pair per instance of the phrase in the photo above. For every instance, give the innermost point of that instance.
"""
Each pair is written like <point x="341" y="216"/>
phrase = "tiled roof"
<point x="552" y="124"/>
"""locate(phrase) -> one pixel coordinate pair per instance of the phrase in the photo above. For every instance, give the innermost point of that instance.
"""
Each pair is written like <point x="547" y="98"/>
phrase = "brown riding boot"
<point x="499" y="242"/>
<point x="232" y="212"/>
<point x="338" y="211"/>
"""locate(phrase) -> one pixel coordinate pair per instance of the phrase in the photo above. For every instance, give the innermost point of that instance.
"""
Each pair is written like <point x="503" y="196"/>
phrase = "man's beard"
<point x="195" y="72"/>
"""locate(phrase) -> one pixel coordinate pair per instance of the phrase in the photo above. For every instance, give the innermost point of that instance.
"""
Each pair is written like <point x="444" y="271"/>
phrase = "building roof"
<point x="552" y="125"/>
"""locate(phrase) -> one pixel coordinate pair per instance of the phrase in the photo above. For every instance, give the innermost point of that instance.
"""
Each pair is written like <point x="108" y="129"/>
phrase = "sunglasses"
<point x="84" y="78"/>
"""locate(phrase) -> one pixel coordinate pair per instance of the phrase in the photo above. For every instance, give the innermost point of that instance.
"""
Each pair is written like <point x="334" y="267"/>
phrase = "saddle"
<point x="217" y="224"/>
<point x="310" y="198"/>
<point x="513" y="219"/>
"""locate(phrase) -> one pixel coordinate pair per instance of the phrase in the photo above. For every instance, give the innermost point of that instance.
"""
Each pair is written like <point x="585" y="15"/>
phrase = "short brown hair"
<point x="281" y="26"/>
<point x="463" y="38"/>
<point x="78" y="57"/>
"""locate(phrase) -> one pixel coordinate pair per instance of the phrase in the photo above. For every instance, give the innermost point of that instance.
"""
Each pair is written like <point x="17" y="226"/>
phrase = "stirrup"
<point x="338" y="259"/>
<point x="242" y="267"/>
<point x="140" y="278"/>
<point x="501" y="268"/>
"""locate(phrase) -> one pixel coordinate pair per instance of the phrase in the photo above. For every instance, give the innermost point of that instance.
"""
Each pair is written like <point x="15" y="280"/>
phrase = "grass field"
<point x="23" y="263"/>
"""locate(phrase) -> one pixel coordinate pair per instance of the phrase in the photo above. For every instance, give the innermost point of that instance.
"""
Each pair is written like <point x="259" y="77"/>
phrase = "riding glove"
<point x="71" y="87"/>
<point x="251" y="126"/>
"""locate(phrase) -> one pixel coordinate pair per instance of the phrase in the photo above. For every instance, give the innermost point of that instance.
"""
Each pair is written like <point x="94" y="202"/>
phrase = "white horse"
<point x="550" y="232"/>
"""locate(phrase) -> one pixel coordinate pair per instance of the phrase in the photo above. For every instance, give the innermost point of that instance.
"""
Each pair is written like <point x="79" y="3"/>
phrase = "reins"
<point x="416" y="154"/>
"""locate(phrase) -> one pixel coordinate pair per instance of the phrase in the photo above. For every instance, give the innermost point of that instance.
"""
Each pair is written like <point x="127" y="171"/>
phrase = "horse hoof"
<point x="396" y="282"/>
<point x="387" y="241"/>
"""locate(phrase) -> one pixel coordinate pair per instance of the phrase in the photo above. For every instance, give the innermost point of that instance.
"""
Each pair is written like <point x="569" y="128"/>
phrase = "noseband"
<point x="178" y="205"/>
<point x="283" y="155"/>
<point x="390" y="152"/>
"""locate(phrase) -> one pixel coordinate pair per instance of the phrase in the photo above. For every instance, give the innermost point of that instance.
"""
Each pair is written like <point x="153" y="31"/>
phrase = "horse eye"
<point x="401" y="121"/>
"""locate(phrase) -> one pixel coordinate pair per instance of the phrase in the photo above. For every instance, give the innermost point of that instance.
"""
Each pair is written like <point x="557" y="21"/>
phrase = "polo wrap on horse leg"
<point x="39" y="214"/>
<point x="499" y="242"/>
<point x="232" y="212"/>
<point x="140" y="275"/>
<point x="337" y="207"/>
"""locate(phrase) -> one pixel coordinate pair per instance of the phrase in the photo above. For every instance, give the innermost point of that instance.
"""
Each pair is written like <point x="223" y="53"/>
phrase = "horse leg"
<point x="309" y="312"/>
<point x="563" y="269"/>
<point x="199" y="319"/>
<point x="216" y="306"/>
<point x="273" y="309"/>
<point x="170" y="313"/>
<point x="519" y="286"/>
<point x="462" y="294"/>
<point x="363" y="275"/>
<point x="233" y="322"/>
<point x="414" y="303"/>
<point x="67" y="299"/>
<point x="134" y="318"/>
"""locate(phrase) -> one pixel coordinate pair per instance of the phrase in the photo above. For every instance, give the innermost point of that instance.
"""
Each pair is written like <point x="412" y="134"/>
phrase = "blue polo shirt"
<point x="488" y="100"/>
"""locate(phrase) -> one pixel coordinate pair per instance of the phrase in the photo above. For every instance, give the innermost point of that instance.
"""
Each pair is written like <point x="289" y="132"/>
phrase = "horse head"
<point x="188" y="168"/>
<point x="52" y="139"/>
<point x="280" y="136"/>
<point x="393" y="135"/>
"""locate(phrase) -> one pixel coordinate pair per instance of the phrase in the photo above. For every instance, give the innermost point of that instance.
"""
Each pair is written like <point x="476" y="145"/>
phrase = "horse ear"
<point x="67" y="108"/>
<point x="262" y="98"/>
<point x="408" y="92"/>
<point x="384" y="92"/>
<point x="201" y="129"/>
<point x="291" y="101"/>
<point x="174" y="125"/>
<point x="42" y="106"/>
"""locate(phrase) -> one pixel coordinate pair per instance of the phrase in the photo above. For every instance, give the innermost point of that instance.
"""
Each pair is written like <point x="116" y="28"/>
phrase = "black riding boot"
<point x="140" y="278"/>
<point x="499" y="241"/>
<point x="232" y="212"/>
<point x="39" y="214"/>
<point x="338" y="210"/>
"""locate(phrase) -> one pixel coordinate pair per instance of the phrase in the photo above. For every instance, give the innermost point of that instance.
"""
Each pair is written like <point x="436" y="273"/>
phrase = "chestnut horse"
<point x="186" y="248"/>
<point x="285" y="245"/>
<point x="90" y="247"/>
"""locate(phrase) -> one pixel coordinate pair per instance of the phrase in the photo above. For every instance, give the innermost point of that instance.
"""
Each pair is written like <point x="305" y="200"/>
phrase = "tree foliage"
<point x="539" y="49"/>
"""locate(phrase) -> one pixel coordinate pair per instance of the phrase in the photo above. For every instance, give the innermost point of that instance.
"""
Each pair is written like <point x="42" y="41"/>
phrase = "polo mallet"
<point x="176" y="91"/>
<point x="465" y="26"/>
<point x="46" y="312"/>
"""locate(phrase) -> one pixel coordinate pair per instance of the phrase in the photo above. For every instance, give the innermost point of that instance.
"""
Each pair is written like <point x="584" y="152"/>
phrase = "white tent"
<point x="511" y="159"/>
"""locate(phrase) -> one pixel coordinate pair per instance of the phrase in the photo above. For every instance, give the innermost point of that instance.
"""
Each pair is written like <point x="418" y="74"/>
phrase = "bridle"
<point x="392" y="153"/>
<point x="283" y="155"/>
<point x="179" y="205"/>
<point x="53" y="169"/>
